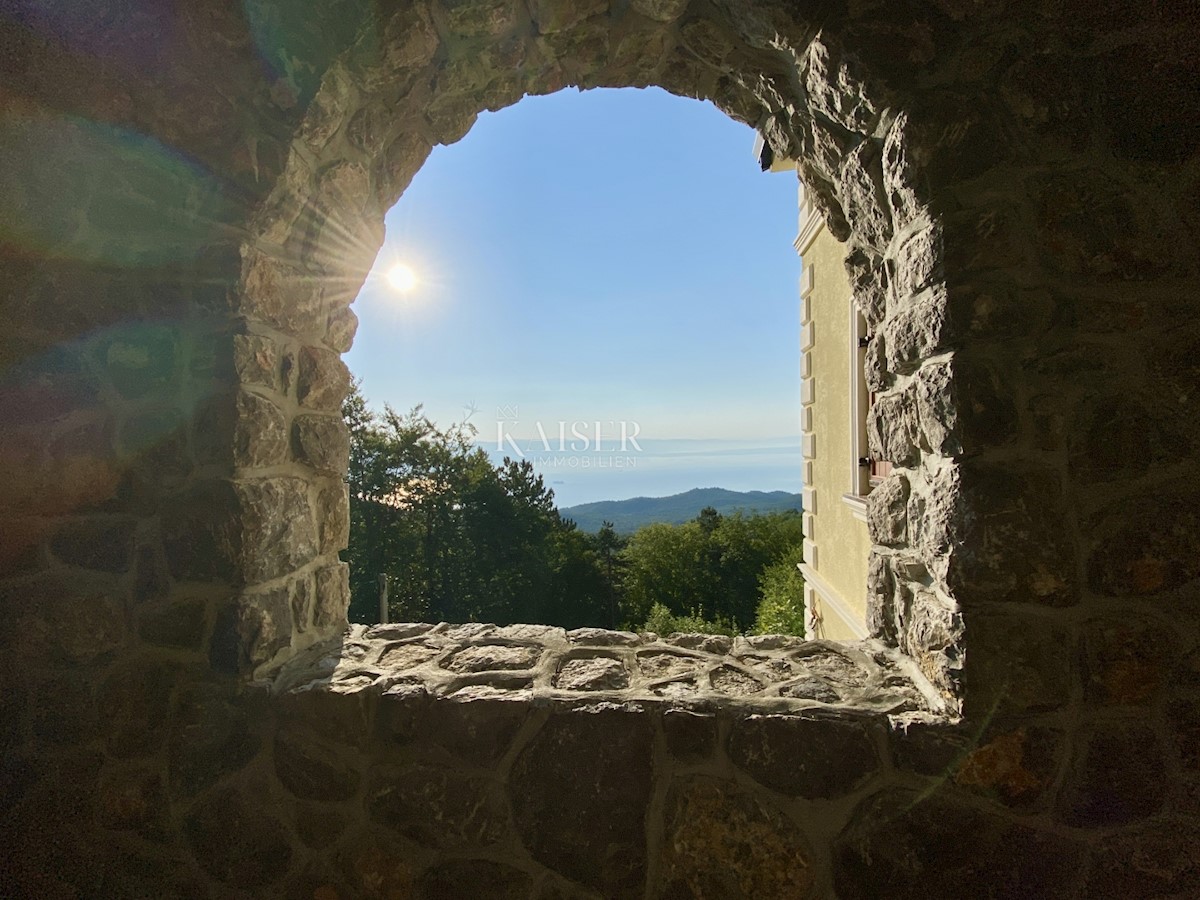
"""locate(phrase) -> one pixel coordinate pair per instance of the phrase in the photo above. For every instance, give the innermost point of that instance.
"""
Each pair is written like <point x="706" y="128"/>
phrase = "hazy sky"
<point x="611" y="255"/>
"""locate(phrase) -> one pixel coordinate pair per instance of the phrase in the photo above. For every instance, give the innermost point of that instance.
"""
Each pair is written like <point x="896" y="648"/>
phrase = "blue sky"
<point x="612" y="256"/>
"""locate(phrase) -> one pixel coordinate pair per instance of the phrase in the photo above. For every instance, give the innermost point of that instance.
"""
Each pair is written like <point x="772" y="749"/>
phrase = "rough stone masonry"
<point x="191" y="194"/>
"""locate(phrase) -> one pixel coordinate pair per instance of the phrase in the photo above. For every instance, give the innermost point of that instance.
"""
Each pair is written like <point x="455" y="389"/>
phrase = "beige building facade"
<point x="837" y="473"/>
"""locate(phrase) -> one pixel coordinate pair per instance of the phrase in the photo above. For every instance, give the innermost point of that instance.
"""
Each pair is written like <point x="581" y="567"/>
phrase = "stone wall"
<point x="191" y="195"/>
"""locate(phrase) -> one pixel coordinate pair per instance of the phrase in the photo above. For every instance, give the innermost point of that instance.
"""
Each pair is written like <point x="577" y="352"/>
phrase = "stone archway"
<point x="421" y="77"/>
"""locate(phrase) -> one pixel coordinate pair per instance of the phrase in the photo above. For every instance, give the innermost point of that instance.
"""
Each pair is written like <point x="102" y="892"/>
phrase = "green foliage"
<point x="781" y="610"/>
<point x="662" y="621"/>
<point x="463" y="540"/>
<point x="709" y="567"/>
<point x="460" y="539"/>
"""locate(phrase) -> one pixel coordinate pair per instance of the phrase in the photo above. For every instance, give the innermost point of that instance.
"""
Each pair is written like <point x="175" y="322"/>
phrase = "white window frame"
<point x="858" y="481"/>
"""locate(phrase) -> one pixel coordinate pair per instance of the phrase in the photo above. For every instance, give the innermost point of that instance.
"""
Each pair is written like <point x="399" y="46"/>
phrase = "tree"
<point x="460" y="539"/>
<point x="608" y="545"/>
<point x="781" y="610"/>
<point x="708" y="570"/>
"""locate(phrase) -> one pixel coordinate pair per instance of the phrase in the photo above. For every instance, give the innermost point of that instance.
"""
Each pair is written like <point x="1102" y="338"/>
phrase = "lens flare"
<point x="402" y="278"/>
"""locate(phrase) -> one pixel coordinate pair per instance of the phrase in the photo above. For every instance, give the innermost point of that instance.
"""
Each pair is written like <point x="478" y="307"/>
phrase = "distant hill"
<point x="628" y="516"/>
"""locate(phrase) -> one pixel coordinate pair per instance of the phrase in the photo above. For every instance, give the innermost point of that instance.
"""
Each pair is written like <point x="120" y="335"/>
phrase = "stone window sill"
<point x="857" y="504"/>
<point x="547" y="666"/>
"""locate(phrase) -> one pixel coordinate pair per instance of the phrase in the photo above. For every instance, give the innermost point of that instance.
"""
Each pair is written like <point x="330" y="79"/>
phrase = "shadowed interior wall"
<point x="191" y="194"/>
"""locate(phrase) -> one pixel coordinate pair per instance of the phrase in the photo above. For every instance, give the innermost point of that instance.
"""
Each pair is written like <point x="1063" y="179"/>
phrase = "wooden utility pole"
<point x="383" y="598"/>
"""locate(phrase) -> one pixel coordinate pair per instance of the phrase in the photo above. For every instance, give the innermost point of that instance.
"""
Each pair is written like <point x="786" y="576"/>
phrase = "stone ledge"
<point x="543" y="665"/>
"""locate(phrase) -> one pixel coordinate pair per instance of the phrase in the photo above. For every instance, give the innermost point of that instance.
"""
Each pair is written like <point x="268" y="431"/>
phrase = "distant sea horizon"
<point x="658" y="467"/>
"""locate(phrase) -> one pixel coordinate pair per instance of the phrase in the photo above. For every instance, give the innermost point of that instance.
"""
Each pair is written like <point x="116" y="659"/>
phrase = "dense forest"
<point x="463" y="540"/>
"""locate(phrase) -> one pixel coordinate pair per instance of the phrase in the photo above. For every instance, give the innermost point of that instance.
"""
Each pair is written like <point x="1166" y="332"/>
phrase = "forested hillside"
<point x="463" y="540"/>
<point x="628" y="516"/>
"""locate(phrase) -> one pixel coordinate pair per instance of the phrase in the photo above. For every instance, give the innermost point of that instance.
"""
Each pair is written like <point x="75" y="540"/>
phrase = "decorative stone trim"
<point x="811" y="222"/>
<point x="857" y="504"/>
<point x="831" y="600"/>
<point x="858" y="479"/>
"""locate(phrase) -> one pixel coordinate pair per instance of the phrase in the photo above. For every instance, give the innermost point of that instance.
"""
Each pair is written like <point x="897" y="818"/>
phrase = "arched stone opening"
<point x="421" y="78"/>
<point x="1038" y="347"/>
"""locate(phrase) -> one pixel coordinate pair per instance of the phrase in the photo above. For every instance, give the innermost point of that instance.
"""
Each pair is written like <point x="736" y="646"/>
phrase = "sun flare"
<point x="402" y="278"/>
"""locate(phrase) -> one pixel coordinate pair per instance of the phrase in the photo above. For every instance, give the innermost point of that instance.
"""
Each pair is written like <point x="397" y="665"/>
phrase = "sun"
<point x="402" y="278"/>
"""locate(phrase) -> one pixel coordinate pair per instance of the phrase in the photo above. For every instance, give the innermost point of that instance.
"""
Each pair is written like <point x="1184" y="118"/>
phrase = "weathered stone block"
<point x="477" y="729"/>
<point x="201" y="533"/>
<point x="710" y="43"/>
<point x="601" y="756"/>
<point x="261" y="623"/>
<point x="134" y="702"/>
<point x="887" y="511"/>
<point x="835" y="86"/>
<point x="1118" y="776"/>
<point x="312" y="768"/>
<point x="133" y="800"/>
<point x="62" y="622"/>
<point x="341" y="328"/>
<point x="690" y="735"/>
<point x="256" y="361"/>
<point x="333" y="517"/>
<point x="724" y="842"/>
<point x="906" y="190"/>
<point x="862" y="195"/>
<point x="1015" y="767"/>
<point x="1146" y="544"/>
<point x="210" y="737"/>
<point x="180" y="625"/>
<point x="932" y="633"/>
<point x="322" y="380"/>
<point x="1018" y="665"/>
<point x="811" y="688"/>
<point x="493" y="657"/>
<point x="1125" y="662"/>
<point x="1017" y="541"/>
<point x="235" y="842"/>
<point x="1157" y="861"/>
<point x="875" y="371"/>
<point x="560" y="15"/>
<point x="594" y="674"/>
<point x="884" y="613"/>
<point x="281" y="296"/>
<point x="438" y="807"/>
<point x="478" y="17"/>
<point x="104" y="544"/>
<point x="916" y="331"/>
<point x="892" y="428"/>
<point x="333" y="596"/>
<point x="967" y="405"/>
<point x="804" y="756"/>
<point x="141" y="360"/>
<point x="260" y="435"/>
<point x="937" y="406"/>
<point x="474" y="878"/>
<point x="278" y="534"/>
<point x="706" y="643"/>
<point x="908" y="845"/>
<point x="322" y="442"/>
<point x="733" y="682"/>
<point x="1124" y="434"/>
